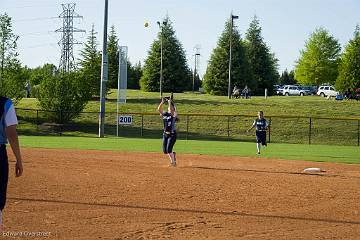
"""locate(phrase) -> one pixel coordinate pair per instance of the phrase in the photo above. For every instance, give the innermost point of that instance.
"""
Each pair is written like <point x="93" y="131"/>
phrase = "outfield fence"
<point x="283" y="129"/>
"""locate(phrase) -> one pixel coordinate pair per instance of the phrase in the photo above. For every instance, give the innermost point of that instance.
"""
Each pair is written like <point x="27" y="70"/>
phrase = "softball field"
<point x="78" y="194"/>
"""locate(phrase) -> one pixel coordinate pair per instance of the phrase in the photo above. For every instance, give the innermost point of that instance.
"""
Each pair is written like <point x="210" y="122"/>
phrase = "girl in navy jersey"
<point x="261" y="126"/>
<point x="169" y="132"/>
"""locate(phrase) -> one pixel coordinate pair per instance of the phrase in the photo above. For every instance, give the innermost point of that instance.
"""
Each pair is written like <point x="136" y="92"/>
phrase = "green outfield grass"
<point x="146" y="102"/>
<point x="289" y="117"/>
<point x="320" y="153"/>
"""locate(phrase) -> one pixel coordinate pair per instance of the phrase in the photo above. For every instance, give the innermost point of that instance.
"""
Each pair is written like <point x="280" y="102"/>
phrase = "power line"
<point x="36" y="33"/>
<point x="38" y="5"/>
<point x="35" y="19"/>
<point x="28" y="6"/>
<point x="38" y="46"/>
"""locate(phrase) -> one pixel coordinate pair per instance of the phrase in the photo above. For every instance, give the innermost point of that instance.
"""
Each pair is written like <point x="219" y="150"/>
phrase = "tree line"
<point x="321" y="61"/>
<point x="253" y="65"/>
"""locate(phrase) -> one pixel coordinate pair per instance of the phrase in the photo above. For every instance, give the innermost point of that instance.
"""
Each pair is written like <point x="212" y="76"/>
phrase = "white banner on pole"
<point x="122" y="82"/>
<point x="122" y="76"/>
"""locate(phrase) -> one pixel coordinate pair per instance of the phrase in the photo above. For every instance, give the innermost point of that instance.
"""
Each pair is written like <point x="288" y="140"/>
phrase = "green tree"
<point x="134" y="75"/>
<point x="292" y="77"/>
<point x="197" y="80"/>
<point x="12" y="82"/>
<point x="63" y="96"/>
<point x="263" y="63"/>
<point x="318" y="62"/>
<point x="15" y="77"/>
<point x="216" y="77"/>
<point x="349" y="68"/>
<point x="113" y="58"/>
<point x="287" y="78"/>
<point x="39" y="73"/>
<point x="176" y="73"/>
<point x="91" y="62"/>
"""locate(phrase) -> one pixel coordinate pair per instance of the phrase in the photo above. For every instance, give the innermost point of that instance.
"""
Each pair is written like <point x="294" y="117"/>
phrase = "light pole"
<point x="104" y="75"/>
<point x="161" y="55"/>
<point x="194" y="74"/>
<point x="232" y="17"/>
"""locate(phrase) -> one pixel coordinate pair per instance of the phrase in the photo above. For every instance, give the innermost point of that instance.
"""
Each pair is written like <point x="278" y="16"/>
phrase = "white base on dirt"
<point x="313" y="169"/>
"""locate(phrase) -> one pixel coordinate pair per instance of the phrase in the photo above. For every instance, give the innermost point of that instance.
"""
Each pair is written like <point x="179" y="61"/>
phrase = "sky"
<point x="286" y="25"/>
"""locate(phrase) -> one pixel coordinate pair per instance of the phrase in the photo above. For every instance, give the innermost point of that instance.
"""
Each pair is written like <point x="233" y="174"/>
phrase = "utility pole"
<point x="67" y="40"/>
<point x="104" y="74"/>
<point x="232" y="17"/>
<point x="161" y="26"/>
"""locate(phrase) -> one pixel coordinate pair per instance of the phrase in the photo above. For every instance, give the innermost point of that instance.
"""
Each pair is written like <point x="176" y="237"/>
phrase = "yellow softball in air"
<point x="146" y="24"/>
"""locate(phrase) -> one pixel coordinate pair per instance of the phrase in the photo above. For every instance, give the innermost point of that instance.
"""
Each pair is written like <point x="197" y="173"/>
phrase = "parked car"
<point x="312" y="89"/>
<point x="349" y="94"/>
<point x="327" y="90"/>
<point x="279" y="90"/>
<point x="295" y="90"/>
<point x="357" y="94"/>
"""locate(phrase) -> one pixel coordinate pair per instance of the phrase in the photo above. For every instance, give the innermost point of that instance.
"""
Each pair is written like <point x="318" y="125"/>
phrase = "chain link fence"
<point x="300" y="130"/>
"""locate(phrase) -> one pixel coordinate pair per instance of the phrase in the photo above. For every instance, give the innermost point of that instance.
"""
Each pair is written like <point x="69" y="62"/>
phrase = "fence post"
<point x="358" y="132"/>
<point x="228" y="127"/>
<point x="37" y="120"/>
<point x="269" y="129"/>
<point x="117" y="124"/>
<point x="142" y="125"/>
<point x="61" y="120"/>
<point x="310" y="131"/>
<point x="187" y="127"/>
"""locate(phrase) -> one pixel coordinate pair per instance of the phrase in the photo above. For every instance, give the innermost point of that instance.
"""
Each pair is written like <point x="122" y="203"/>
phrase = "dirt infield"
<point x="68" y="194"/>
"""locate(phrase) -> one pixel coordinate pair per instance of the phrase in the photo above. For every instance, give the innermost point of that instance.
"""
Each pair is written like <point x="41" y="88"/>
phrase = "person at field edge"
<point x="8" y="133"/>
<point x="169" y="133"/>
<point x="245" y="92"/>
<point x="261" y="125"/>
<point x="27" y="88"/>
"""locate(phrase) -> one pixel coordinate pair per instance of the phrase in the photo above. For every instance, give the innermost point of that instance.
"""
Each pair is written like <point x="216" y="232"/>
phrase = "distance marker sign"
<point x="125" y="120"/>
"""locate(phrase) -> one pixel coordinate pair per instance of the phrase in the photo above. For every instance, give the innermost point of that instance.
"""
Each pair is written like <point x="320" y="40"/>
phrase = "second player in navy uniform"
<point x="261" y="125"/>
<point x="169" y="133"/>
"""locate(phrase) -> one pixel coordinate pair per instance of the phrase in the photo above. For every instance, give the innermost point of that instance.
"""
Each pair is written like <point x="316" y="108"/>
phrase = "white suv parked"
<point x="294" y="90"/>
<point x="327" y="90"/>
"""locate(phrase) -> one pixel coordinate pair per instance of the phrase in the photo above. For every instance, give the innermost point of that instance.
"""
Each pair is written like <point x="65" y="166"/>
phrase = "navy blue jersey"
<point x="169" y="122"/>
<point x="261" y="124"/>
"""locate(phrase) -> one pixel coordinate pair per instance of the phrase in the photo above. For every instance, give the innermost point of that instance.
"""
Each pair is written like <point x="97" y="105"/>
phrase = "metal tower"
<point x="67" y="40"/>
